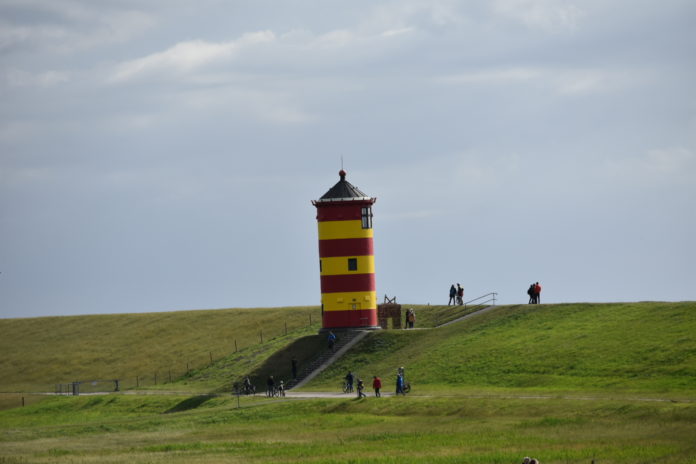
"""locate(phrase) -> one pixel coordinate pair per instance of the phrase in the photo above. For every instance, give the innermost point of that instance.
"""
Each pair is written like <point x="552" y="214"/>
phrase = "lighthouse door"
<point x="355" y="315"/>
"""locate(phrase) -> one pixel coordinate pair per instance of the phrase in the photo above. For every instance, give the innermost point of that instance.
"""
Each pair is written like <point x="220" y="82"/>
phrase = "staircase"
<point x="344" y="341"/>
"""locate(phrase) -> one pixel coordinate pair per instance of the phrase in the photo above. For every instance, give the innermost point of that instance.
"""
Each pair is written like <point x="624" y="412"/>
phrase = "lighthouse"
<point x="346" y="258"/>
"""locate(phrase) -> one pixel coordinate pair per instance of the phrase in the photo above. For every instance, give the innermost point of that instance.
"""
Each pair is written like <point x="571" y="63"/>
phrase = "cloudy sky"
<point x="163" y="155"/>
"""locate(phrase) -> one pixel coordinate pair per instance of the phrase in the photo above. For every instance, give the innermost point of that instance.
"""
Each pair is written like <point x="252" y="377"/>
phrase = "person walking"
<point x="460" y="295"/>
<point x="400" y="376"/>
<point x="377" y="385"/>
<point x="331" y="339"/>
<point x="349" y="382"/>
<point x="410" y="318"/>
<point x="531" y="291"/>
<point x="537" y="293"/>
<point x="293" y="366"/>
<point x="361" y="387"/>
<point x="453" y="295"/>
<point x="270" y="386"/>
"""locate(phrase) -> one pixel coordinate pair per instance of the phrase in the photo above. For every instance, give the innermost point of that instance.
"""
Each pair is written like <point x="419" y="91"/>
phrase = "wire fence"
<point x="160" y="376"/>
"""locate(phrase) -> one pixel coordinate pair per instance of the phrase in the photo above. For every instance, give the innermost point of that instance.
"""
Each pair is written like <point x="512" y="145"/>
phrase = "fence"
<point x="160" y="376"/>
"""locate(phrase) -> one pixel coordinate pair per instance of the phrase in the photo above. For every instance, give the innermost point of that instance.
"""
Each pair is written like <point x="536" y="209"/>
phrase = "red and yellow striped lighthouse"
<point x="346" y="257"/>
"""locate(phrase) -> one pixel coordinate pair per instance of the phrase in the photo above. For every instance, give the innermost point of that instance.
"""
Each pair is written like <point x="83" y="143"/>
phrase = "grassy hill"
<point x="573" y="383"/>
<point x="38" y="353"/>
<point x="631" y="347"/>
<point x="628" y="347"/>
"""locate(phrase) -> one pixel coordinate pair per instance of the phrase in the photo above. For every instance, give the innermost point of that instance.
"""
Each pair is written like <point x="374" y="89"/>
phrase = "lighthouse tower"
<point x="346" y="258"/>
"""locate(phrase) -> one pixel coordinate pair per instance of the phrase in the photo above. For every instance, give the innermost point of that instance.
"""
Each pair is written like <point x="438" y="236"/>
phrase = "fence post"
<point x="235" y="345"/>
<point x="170" y="376"/>
<point x="211" y="357"/>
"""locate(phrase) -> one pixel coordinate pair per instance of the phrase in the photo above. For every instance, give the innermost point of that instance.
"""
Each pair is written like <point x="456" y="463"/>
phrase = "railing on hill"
<point x="490" y="299"/>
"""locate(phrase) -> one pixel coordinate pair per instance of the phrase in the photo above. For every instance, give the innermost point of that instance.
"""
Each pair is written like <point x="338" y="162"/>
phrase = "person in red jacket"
<point x="537" y="292"/>
<point x="377" y="384"/>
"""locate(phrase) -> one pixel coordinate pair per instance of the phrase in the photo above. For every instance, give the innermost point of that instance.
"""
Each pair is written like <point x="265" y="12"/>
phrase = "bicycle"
<point x="244" y="389"/>
<point x="347" y="387"/>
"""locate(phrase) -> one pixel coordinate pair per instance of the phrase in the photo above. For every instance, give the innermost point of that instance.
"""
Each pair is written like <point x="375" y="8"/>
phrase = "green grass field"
<point x="565" y="383"/>
<point x="453" y="429"/>
<point x="134" y="348"/>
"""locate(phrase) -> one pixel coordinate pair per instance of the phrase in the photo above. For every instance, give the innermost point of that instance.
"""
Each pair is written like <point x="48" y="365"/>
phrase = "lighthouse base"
<point x="365" y="319"/>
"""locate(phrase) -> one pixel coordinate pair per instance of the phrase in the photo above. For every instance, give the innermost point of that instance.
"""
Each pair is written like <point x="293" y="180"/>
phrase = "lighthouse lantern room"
<point x="346" y="258"/>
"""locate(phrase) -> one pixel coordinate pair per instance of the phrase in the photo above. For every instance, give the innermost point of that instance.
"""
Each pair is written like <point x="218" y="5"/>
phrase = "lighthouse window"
<point x="352" y="264"/>
<point x="367" y="218"/>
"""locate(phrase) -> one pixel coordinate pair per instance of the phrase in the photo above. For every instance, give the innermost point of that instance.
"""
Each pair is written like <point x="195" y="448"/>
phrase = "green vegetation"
<point x="119" y="428"/>
<point x="630" y="347"/>
<point x="565" y="383"/>
<point x="41" y="352"/>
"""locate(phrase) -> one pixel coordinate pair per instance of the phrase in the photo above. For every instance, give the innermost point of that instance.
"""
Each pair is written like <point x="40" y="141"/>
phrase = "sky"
<point x="163" y="155"/>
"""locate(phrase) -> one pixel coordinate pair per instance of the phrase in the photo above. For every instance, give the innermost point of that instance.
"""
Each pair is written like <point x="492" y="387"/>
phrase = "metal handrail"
<point x="482" y="297"/>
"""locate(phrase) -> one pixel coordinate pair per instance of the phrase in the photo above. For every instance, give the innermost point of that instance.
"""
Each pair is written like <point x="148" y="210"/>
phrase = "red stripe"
<point x="341" y="211"/>
<point x="348" y="283"/>
<point x="352" y="318"/>
<point x="346" y="247"/>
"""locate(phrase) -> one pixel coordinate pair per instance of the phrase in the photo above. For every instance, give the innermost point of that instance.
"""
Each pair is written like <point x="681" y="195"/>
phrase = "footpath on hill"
<point x="370" y="394"/>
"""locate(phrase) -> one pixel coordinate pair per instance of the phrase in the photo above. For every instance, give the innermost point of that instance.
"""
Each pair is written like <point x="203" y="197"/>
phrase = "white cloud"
<point x="69" y="27"/>
<point x="547" y="15"/>
<point x="565" y="82"/>
<point x="188" y="56"/>
<point x="20" y="78"/>
<point x="673" y="164"/>
<point x="491" y="76"/>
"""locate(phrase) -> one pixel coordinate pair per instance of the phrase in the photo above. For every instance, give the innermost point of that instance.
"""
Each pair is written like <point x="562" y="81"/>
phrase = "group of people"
<point x="274" y="390"/>
<point x="534" y="292"/>
<point x="376" y="384"/>
<point x="456" y="295"/>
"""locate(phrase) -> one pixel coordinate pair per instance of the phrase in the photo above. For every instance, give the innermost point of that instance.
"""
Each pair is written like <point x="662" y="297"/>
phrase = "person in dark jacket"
<point x="349" y="381"/>
<point x="361" y="387"/>
<point x="293" y="365"/>
<point x="453" y="295"/>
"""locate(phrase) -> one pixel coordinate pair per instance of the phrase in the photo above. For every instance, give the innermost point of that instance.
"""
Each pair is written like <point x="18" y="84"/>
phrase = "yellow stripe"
<point x="330" y="230"/>
<point x="339" y="266"/>
<point x="345" y="301"/>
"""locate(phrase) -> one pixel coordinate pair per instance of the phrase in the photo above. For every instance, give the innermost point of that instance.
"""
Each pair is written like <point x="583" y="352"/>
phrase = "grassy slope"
<point x="640" y="347"/>
<point x="609" y="349"/>
<point x="118" y="429"/>
<point x="40" y="352"/>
